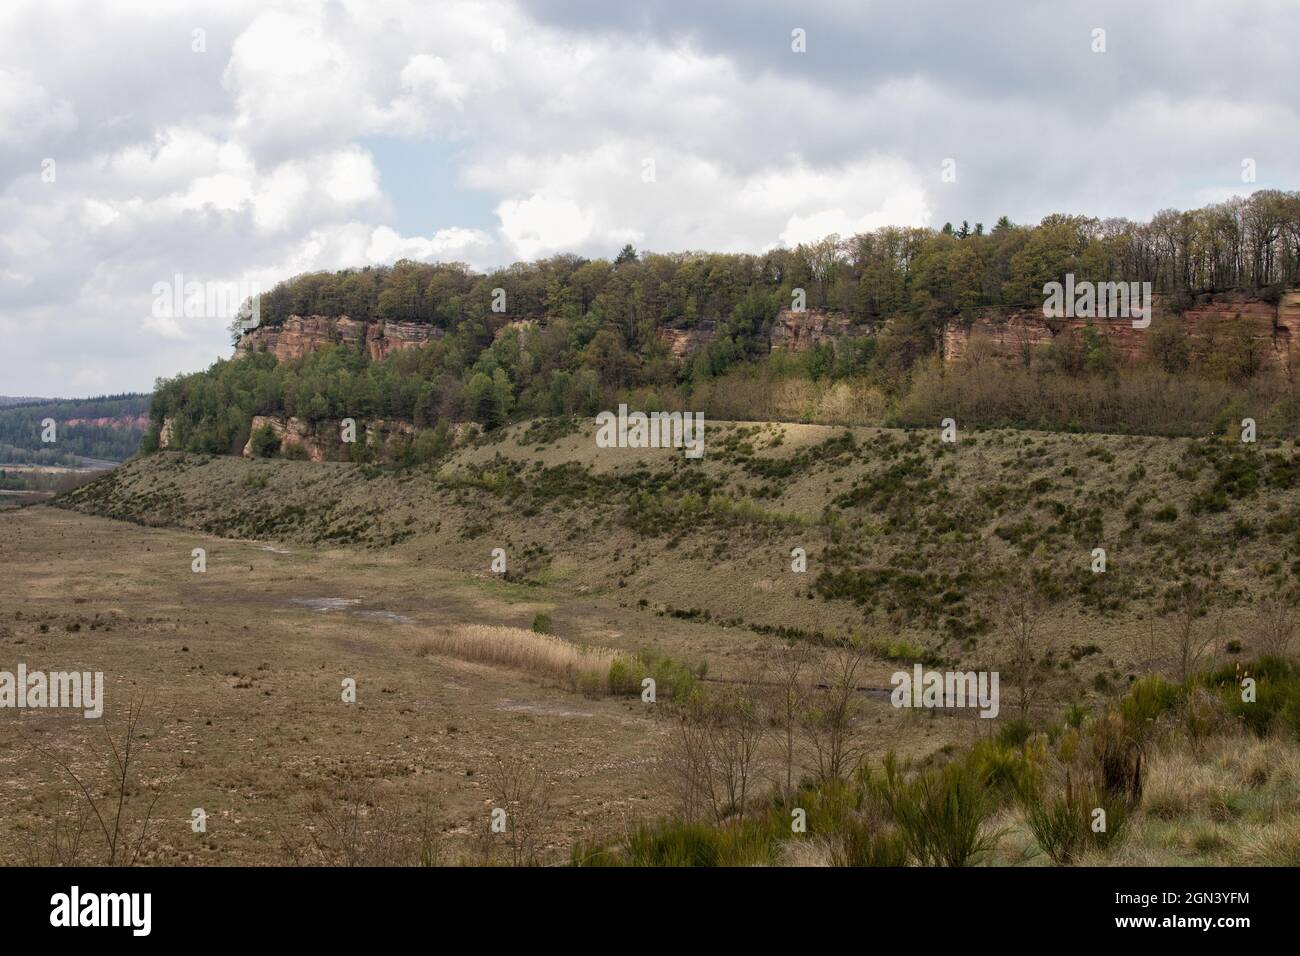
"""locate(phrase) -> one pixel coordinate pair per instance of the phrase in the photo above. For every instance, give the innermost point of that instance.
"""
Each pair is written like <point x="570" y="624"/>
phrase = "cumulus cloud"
<point x="573" y="126"/>
<point x="28" y="111"/>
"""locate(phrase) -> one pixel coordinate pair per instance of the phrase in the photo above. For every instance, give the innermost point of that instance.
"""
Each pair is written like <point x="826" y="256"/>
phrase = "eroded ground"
<point x="241" y="669"/>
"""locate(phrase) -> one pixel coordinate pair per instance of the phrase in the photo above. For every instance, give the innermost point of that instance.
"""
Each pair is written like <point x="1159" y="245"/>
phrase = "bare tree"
<point x="735" y="733"/>
<point x="60" y="843"/>
<point x="521" y="791"/>
<point x="688" y="759"/>
<point x="1023" y="608"/>
<point x="1189" y="640"/>
<point x="1274" y="626"/>
<point x="358" y="830"/>
<point x="830" y="714"/>
<point x="790" y="667"/>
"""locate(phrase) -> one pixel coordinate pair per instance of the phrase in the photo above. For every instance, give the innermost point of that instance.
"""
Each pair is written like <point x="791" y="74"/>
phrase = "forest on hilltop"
<point x="600" y="342"/>
<point x="1251" y="243"/>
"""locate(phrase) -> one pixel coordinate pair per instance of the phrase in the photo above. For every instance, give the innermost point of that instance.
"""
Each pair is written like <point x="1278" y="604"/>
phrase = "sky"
<point x="146" y="145"/>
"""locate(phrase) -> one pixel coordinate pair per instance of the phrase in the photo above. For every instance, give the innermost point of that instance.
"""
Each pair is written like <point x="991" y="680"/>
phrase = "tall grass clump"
<point x="542" y="655"/>
<point x="942" y="813"/>
<point x="1083" y="794"/>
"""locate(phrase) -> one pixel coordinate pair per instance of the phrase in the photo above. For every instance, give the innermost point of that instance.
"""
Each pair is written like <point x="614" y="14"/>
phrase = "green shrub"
<point x="1065" y="821"/>
<point x="625" y="676"/>
<point x="673" y="678"/>
<point x="1003" y="768"/>
<point x="860" y="844"/>
<point x="1148" y="699"/>
<point x="1014" y="733"/>
<point x="941" y="814"/>
<point x="1277" y="695"/>
<point x="542" y="623"/>
<point x="673" y="843"/>
<point x="266" y="444"/>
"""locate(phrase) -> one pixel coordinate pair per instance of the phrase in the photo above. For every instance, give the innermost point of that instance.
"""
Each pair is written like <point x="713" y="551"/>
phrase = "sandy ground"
<point x="241" y="669"/>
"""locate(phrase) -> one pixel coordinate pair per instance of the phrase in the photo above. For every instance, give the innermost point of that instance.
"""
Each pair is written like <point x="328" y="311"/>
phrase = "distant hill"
<point x="7" y="400"/>
<point x="108" y="428"/>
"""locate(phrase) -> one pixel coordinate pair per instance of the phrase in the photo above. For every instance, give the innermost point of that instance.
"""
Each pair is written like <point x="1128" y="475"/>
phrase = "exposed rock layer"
<point x="323" y="441"/>
<point x="301" y="334"/>
<point x="1010" y="332"/>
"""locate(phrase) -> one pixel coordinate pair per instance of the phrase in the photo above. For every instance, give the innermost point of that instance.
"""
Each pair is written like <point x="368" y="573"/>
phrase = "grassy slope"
<point x="895" y="514"/>
<point x="907" y="539"/>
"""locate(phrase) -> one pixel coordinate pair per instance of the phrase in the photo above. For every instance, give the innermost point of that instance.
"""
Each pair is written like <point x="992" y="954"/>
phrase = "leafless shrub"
<point x="356" y="829"/>
<point x="1023" y="608"/>
<point x="735" y="733"/>
<point x="1184" y="641"/>
<point x="123" y="807"/>
<point x="59" y="843"/>
<point x="789" y="667"/>
<point x="830" y="715"/>
<point x="688" y="760"/>
<point x="521" y="791"/>
<point x="1274" y="626"/>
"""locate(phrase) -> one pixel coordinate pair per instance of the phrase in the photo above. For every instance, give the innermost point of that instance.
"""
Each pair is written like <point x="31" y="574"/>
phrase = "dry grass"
<point x="812" y="851"/>
<point x="541" y="655"/>
<point x="1233" y="801"/>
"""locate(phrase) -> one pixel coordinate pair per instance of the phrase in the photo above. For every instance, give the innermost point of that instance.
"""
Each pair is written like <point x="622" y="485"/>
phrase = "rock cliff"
<point x="796" y="331"/>
<point x="1009" y="332"/>
<point x="1015" y="333"/>
<point x="323" y="441"/>
<point x="301" y="334"/>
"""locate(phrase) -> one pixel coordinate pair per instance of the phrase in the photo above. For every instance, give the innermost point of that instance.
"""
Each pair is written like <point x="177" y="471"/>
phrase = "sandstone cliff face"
<point x="682" y="342"/>
<point x="797" y="331"/>
<point x="1012" y="333"/>
<point x="323" y="441"/>
<point x="1016" y="333"/>
<point x="301" y="334"/>
<point x="1286" y="329"/>
<point x="118" y="421"/>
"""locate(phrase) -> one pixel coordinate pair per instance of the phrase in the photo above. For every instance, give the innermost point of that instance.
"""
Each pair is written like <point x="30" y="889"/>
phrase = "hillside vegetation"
<point x="906" y="536"/>
<point x="599" y="335"/>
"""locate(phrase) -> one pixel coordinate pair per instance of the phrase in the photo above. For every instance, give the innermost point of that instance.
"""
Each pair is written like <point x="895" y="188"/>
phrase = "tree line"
<point x="1245" y="242"/>
<point x="21" y="429"/>
<point x="600" y="342"/>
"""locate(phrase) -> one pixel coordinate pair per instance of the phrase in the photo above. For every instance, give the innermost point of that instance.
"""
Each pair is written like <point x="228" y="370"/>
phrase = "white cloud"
<point x="28" y="112"/>
<point x="251" y="161"/>
<point x="540" y="225"/>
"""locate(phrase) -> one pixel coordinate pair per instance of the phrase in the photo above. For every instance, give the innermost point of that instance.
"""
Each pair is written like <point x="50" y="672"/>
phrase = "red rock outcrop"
<point x="301" y="334"/>
<point x="119" y="421"/>
<point x="797" y="331"/>
<point x="1010" y="332"/>
<point x="682" y="342"/>
<point x="1015" y="333"/>
<point x="323" y="441"/>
